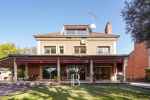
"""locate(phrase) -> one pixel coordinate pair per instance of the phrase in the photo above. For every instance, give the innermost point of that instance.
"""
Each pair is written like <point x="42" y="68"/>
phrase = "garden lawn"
<point x="83" y="92"/>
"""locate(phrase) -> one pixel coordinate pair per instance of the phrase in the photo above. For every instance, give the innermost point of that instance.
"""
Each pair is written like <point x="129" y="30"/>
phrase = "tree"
<point x="136" y="14"/>
<point x="7" y="48"/>
<point x="10" y="48"/>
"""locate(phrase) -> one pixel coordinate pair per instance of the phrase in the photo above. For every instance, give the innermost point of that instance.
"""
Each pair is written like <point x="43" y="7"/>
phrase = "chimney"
<point x="108" y="28"/>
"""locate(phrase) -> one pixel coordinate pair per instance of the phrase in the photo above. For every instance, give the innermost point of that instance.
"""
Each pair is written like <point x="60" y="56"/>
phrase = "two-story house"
<point x="92" y="54"/>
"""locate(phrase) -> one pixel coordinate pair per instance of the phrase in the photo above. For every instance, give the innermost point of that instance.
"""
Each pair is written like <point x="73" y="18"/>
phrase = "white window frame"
<point x="103" y="52"/>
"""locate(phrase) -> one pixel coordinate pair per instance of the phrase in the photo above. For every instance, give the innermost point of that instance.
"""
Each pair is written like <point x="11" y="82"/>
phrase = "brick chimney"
<point x="108" y="28"/>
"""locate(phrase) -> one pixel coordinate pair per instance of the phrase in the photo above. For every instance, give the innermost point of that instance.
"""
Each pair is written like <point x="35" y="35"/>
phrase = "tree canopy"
<point x="136" y="14"/>
<point x="7" y="48"/>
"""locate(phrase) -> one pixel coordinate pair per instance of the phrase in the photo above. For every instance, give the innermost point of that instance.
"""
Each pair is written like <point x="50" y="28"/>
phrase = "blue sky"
<point x="20" y="19"/>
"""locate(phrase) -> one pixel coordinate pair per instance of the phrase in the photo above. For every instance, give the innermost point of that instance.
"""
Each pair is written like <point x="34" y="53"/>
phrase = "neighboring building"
<point x="5" y="74"/>
<point x="137" y="62"/>
<point x="93" y="54"/>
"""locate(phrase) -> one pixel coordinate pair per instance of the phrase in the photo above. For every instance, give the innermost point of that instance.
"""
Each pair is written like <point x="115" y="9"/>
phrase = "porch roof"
<point x="21" y="59"/>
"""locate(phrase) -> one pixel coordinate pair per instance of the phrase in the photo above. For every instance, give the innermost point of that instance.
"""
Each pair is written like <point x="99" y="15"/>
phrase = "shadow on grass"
<point x="117" y="92"/>
<point x="86" y="92"/>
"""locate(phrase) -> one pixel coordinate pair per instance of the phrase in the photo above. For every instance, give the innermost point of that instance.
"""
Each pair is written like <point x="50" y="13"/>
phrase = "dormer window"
<point x="76" y="30"/>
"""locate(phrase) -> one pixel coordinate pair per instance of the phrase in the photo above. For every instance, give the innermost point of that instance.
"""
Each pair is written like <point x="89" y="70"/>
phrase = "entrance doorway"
<point x="66" y="71"/>
<point x="49" y="72"/>
<point x="103" y="73"/>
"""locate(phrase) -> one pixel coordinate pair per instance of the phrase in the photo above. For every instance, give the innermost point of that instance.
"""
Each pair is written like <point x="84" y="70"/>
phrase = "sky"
<point x="21" y="19"/>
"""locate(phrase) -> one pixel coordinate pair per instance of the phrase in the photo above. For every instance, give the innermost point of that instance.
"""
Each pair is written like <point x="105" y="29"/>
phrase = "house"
<point x="138" y="61"/>
<point x="92" y="54"/>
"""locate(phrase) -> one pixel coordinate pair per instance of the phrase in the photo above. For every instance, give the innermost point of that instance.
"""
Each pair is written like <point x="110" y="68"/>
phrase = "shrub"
<point x="147" y="71"/>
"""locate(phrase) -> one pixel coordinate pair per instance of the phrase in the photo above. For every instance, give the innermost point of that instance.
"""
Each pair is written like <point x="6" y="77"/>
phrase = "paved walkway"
<point x="10" y="88"/>
<point x="141" y="84"/>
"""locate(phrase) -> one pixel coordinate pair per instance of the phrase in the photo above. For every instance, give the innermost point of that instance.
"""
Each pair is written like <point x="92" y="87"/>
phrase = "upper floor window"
<point x="61" y="49"/>
<point x="80" y="49"/>
<point x="50" y="50"/>
<point x="103" y="50"/>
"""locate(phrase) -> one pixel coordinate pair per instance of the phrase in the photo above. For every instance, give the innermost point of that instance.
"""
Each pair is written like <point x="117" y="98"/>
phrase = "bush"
<point x="147" y="71"/>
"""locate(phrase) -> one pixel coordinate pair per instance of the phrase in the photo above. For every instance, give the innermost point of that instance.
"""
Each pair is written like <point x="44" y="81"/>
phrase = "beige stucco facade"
<point x="69" y="43"/>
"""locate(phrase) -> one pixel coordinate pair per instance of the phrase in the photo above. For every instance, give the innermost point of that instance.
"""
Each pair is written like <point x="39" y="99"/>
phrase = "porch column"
<point x="115" y="72"/>
<point x="26" y="71"/>
<point x="58" y="70"/>
<point x="15" y="70"/>
<point x="91" y="71"/>
<point x="41" y="73"/>
<point x="125" y="63"/>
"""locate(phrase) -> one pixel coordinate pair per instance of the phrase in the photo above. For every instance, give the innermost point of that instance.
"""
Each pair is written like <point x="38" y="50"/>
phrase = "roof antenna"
<point x="93" y="17"/>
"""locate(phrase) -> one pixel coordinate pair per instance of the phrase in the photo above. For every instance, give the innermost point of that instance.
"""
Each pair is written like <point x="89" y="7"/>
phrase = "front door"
<point x="66" y="71"/>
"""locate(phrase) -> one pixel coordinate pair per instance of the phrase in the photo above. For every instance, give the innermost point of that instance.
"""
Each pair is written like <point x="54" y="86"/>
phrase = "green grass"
<point x="83" y="92"/>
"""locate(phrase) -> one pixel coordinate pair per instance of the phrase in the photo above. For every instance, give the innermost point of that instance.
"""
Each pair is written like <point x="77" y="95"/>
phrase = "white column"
<point x="91" y="71"/>
<point x="58" y="70"/>
<point x="26" y="71"/>
<point x="115" y="72"/>
<point x="15" y="70"/>
<point x="125" y="64"/>
<point x="41" y="74"/>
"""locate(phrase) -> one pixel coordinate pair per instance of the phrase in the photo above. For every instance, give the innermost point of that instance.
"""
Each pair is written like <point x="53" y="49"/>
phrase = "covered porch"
<point x="56" y="68"/>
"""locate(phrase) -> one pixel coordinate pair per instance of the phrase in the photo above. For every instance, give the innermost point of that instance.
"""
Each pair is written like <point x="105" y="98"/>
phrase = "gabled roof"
<point x="72" y="27"/>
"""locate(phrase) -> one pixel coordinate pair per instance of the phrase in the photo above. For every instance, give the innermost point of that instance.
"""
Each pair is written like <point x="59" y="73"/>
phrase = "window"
<point x="80" y="49"/>
<point x="103" y="50"/>
<point x="61" y="49"/>
<point x="50" y="50"/>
